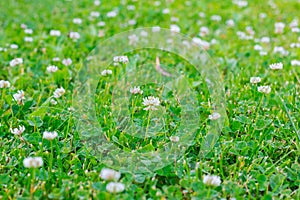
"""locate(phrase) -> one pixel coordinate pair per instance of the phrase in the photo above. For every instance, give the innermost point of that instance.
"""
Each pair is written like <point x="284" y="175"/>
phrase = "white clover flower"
<point x="216" y="18"/>
<point x="136" y="90"/>
<point x="174" y="19"/>
<point x="17" y="131"/>
<point x="53" y="102"/>
<point x="262" y="15"/>
<point x="166" y="11"/>
<point x="294" y="23"/>
<point x="204" y="31"/>
<point x="94" y="14"/>
<point x="214" y="116"/>
<point x="293" y="63"/>
<point x="144" y="33"/>
<point x="255" y="80"/>
<point x="23" y="26"/>
<point x="132" y="22"/>
<point x="265" y="40"/>
<point x="49" y="135"/>
<point x="19" y="96"/>
<point x="59" y="92"/>
<point x="295" y="30"/>
<point x="276" y="66"/>
<point x="279" y="27"/>
<point x="74" y="35"/>
<point x="102" y="23"/>
<point x="15" y="62"/>
<point x="263" y="53"/>
<point x="130" y="7"/>
<point x="258" y="47"/>
<point x="175" y="28"/>
<point x="211" y="180"/>
<point x="204" y="44"/>
<point x="77" y="21"/>
<point x="33" y="162"/>
<point x="151" y="103"/>
<point x="250" y="30"/>
<point x="55" y="33"/>
<point x="174" y="139"/>
<point x="67" y="61"/>
<point x="133" y="39"/>
<point x="109" y="174"/>
<point x="106" y="72"/>
<point x="52" y="68"/>
<point x="4" y="84"/>
<point x="14" y="46"/>
<point x="56" y="59"/>
<point x="121" y="59"/>
<point x="28" y="31"/>
<point x="240" y="3"/>
<point x="264" y="89"/>
<point x="155" y="29"/>
<point x="201" y="14"/>
<point x="97" y="2"/>
<point x="280" y="50"/>
<point x="111" y="14"/>
<point x="114" y="187"/>
<point x="230" y="23"/>
<point x="28" y="39"/>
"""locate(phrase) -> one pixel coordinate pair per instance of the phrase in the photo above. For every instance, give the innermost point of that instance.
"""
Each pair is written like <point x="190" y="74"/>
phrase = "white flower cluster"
<point x="52" y="68"/>
<point x="49" y="135"/>
<point x="212" y="180"/>
<point x="112" y="175"/>
<point x="33" y="162"/>
<point x="136" y="90"/>
<point x="106" y="72"/>
<point x="276" y="66"/>
<point x="15" y="62"/>
<point x="59" y="92"/>
<point x="120" y="59"/>
<point x="151" y="103"/>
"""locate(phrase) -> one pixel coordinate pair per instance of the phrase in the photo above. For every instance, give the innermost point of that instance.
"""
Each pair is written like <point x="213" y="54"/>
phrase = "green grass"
<point x="256" y="156"/>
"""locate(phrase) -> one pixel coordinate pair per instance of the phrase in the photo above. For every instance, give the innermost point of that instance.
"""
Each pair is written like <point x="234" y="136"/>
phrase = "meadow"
<point x="137" y="99"/>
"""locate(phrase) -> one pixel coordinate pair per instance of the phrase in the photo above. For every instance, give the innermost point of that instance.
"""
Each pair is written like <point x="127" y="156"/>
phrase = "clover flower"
<point x="255" y="80"/>
<point x="212" y="180"/>
<point x="151" y="103"/>
<point x="109" y="174"/>
<point x="17" y="131"/>
<point x="264" y="89"/>
<point x="214" y="116"/>
<point x="52" y="68"/>
<point x="55" y="33"/>
<point x="19" y="97"/>
<point x="67" y="61"/>
<point x="4" y="84"/>
<point x="106" y="72"/>
<point x="59" y="92"/>
<point x="276" y="66"/>
<point x="279" y="27"/>
<point x="33" y="162"/>
<point x="74" y="35"/>
<point x="114" y="187"/>
<point x="15" y="62"/>
<point x="77" y="21"/>
<point x="136" y="90"/>
<point x="49" y="135"/>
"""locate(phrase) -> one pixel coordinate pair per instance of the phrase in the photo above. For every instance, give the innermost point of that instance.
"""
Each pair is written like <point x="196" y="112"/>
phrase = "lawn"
<point x="137" y="99"/>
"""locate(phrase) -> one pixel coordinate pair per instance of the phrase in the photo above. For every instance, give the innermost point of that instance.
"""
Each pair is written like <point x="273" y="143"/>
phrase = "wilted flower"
<point x="52" y="68"/>
<point x="33" y="162"/>
<point x="19" y="96"/>
<point x="15" y="62"/>
<point x="67" y="61"/>
<point x="59" y="92"/>
<point x="276" y="66"/>
<point x="110" y="174"/>
<point x="55" y="33"/>
<point x="74" y="35"/>
<point x="17" y="131"/>
<point x="114" y="187"/>
<point x="49" y="135"/>
<point x="77" y="21"/>
<point x="214" y="116"/>
<point x="255" y="80"/>
<point x="151" y="103"/>
<point x="106" y="72"/>
<point x="136" y="90"/>
<point x="4" y="84"/>
<point x="211" y="180"/>
<point x="264" y="89"/>
<point x="53" y="102"/>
